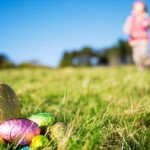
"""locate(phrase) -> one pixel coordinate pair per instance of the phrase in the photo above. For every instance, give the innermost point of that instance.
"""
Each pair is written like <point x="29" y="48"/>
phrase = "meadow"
<point x="106" y="108"/>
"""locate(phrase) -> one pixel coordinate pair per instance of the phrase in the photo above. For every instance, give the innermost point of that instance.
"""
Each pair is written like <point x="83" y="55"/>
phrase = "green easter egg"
<point x="43" y="119"/>
<point x="9" y="104"/>
<point x="39" y="142"/>
<point x="58" y="131"/>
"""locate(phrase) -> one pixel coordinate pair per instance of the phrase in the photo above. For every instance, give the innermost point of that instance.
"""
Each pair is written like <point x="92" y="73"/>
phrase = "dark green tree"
<point x="117" y="54"/>
<point x="125" y="52"/>
<point x="66" y="60"/>
<point x="5" y="62"/>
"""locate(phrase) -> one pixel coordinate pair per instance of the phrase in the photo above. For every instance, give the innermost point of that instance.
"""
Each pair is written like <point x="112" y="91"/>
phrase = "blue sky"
<point x="42" y="29"/>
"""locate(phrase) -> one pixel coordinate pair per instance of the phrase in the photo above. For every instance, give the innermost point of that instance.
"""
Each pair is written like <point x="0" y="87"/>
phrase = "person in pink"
<point x="136" y="26"/>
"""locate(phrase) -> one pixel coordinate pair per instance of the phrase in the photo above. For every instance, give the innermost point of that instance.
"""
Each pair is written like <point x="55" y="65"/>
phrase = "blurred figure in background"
<point x="136" y="26"/>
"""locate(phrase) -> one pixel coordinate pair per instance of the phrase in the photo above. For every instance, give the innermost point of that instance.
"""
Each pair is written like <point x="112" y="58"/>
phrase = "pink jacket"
<point x="137" y="28"/>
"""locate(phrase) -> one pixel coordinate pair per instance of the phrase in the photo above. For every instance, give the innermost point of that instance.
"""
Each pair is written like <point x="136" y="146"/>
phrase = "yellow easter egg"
<point x="39" y="142"/>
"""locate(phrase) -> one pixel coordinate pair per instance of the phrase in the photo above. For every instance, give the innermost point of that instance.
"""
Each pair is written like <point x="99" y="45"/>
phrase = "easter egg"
<point x="19" y="131"/>
<point x="43" y="119"/>
<point x="25" y="148"/>
<point x="9" y="104"/>
<point x="58" y="131"/>
<point x="39" y="142"/>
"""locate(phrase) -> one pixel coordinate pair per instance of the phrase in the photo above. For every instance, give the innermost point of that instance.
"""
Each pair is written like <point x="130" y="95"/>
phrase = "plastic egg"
<point x="58" y="131"/>
<point x="19" y="131"/>
<point x="25" y="148"/>
<point x="43" y="119"/>
<point x="39" y="142"/>
<point x="9" y="104"/>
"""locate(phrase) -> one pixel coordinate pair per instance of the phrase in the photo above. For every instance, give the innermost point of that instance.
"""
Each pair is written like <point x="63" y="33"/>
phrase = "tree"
<point x="83" y="57"/>
<point x="117" y="54"/>
<point x="3" y="58"/>
<point x="5" y="62"/>
<point x="125" y="52"/>
<point x="66" y="60"/>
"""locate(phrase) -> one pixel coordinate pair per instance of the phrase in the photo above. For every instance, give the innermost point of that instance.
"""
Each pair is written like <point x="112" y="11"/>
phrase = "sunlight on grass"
<point x="106" y="108"/>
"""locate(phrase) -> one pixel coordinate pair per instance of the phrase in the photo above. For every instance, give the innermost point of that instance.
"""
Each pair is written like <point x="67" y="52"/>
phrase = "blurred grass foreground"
<point x="106" y="108"/>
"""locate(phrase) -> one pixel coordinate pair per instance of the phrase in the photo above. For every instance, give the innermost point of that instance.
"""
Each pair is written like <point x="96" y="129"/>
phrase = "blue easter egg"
<point x="25" y="148"/>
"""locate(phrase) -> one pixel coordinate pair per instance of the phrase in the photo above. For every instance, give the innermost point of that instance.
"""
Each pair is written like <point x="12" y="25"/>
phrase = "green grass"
<point x="105" y="108"/>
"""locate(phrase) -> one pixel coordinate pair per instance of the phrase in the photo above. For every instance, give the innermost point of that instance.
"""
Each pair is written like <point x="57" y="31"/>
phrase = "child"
<point x="136" y="26"/>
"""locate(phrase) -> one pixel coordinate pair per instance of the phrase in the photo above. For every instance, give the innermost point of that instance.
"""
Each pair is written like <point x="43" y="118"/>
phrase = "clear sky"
<point x="42" y="29"/>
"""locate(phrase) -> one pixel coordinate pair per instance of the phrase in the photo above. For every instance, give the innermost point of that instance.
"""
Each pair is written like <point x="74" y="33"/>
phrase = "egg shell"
<point x="19" y="131"/>
<point x="43" y="119"/>
<point x="9" y="104"/>
<point x="39" y="142"/>
<point x="25" y="148"/>
<point x="58" y="131"/>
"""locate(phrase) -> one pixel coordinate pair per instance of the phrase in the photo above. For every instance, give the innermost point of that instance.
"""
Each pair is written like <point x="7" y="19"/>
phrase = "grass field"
<point x="105" y="108"/>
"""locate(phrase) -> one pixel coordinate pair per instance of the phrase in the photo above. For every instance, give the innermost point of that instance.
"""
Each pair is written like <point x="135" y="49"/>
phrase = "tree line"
<point x="87" y="56"/>
<point x="5" y="62"/>
<point x="118" y="54"/>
